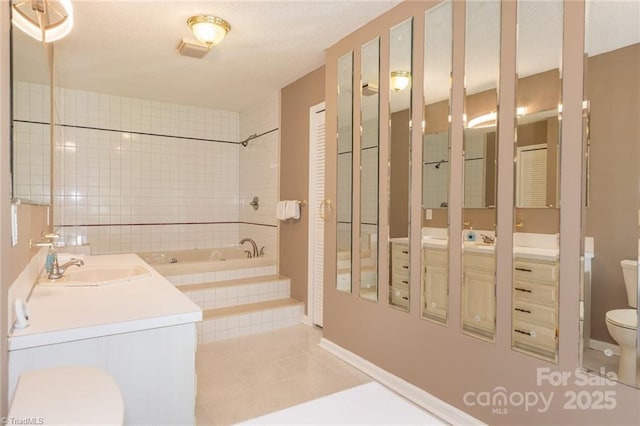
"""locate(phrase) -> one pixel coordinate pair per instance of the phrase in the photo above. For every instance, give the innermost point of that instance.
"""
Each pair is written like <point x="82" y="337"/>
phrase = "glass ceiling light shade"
<point x="400" y="80"/>
<point x="208" y="29"/>
<point x="44" y="20"/>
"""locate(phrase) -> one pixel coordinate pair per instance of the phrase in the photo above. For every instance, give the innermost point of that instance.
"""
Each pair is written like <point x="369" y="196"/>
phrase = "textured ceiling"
<point x="129" y="48"/>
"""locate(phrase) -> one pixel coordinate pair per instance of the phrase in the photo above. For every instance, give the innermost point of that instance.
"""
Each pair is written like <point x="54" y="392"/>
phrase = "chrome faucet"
<point x="253" y="243"/>
<point x="57" y="271"/>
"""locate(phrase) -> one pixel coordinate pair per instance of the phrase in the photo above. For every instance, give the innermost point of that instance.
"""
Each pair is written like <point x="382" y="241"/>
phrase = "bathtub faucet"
<point x="253" y="243"/>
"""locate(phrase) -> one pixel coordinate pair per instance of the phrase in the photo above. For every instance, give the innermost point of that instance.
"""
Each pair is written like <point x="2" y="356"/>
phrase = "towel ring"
<point x="326" y="210"/>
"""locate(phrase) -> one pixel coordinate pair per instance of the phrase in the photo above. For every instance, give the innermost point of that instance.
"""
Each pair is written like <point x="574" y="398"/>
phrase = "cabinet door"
<point x="435" y="292"/>
<point x="478" y="303"/>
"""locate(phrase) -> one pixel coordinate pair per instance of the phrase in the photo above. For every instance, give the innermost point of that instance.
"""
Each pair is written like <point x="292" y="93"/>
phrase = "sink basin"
<point x="86" y="276"/>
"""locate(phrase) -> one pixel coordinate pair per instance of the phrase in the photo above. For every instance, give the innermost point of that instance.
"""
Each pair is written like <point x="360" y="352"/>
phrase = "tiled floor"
<point x="250" y="376"/>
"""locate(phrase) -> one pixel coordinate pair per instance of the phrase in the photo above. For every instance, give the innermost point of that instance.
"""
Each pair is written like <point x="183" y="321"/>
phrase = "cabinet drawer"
<point x="436" y="257"/>
<point x="400" y="268"/>
<point x="400" y="252"/>
<point x="537" y="293"/>
<point x="479" y="262"/>
<point x="399" y="297"/>
<point x="547" y="272"/>
<point x="534" y="337"/>
<point x="401" y="281"/>
<point x="538" y="314"/>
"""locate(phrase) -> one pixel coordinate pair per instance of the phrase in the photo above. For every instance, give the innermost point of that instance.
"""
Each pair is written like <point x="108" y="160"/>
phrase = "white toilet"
<point x="622" y="325"/>
<point x="68" y="396"/>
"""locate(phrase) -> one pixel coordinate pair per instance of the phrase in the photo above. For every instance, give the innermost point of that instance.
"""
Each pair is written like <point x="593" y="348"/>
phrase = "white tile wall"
<point x="474" y="169"/>
<point x="31" y="155"/>
<point x="259" y="173"/>
<point x="435" y="185"/>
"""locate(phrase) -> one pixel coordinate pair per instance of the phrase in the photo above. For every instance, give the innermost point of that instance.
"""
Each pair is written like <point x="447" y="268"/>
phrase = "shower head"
<point x="246" y="141"/>
<point x="439" y="163"/>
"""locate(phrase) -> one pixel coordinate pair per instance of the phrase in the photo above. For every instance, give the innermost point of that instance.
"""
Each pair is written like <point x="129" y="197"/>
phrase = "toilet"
<point x="622" y="325"/>
<point x="68" y="396"/>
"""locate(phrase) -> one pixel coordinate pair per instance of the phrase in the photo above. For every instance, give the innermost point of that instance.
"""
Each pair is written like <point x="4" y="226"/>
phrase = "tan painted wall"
<point x="612" y="86"/>
<point x="32" y="220"/>
<point x="439" y="359"/>
<point x="296" y="99"/>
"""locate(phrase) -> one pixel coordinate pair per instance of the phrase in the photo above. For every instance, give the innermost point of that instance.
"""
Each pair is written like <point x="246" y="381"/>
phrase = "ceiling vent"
<point x="192" y="49"/>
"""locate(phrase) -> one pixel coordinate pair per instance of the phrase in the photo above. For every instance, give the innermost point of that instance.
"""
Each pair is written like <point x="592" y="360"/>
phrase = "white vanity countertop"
<point x="426" y="242"/>
<point x="63" y="314"/>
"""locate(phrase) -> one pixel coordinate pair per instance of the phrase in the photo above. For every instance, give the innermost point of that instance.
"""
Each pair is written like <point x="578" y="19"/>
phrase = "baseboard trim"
<point x="599" y="345"/>
<point x="435" y="406"/>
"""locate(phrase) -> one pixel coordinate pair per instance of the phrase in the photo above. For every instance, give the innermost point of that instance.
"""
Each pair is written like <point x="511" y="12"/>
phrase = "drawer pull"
<point x="528" y="333"/>
<point x="405" y="252"/>
<point x="405" y="267"/>
<point x="526" y="311"/>
<point x="433" y="304"/>
<point x="405" y="297"/>
<point x="524" y="270"/>
<point x="524" y="290"/>
<point x="405" y="282"/>
<point x="477" y="318"/>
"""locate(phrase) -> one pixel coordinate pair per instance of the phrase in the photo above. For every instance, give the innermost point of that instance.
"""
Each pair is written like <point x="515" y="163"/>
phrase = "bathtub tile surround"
<point x="239" y="301"/>
<point x="259" y="172"/>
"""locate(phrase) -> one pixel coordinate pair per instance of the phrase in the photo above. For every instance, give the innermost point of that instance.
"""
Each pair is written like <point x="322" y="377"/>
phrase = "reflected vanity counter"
<point x="141" y="331"/>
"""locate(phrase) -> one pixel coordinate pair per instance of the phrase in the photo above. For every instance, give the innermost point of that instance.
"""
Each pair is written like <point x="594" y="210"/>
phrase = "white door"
<point x="316" y="222"/>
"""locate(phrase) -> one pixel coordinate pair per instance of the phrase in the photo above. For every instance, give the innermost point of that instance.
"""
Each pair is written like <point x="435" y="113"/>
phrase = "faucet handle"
<point x="51" y="236"/>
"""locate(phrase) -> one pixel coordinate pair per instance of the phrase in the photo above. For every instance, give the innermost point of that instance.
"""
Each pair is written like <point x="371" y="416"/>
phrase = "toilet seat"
<point x="625" y="318"/>
<point x="69" y="396"/>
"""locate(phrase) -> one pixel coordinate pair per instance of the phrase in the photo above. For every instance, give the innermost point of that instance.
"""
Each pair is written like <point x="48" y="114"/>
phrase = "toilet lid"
<point x="626" y="318"/>
<point x="69" y="396"/>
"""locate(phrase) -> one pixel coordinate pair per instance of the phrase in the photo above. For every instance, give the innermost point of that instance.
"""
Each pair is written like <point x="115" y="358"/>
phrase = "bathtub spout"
<point x="249" y="255"/>
<point x="253" y="243"/>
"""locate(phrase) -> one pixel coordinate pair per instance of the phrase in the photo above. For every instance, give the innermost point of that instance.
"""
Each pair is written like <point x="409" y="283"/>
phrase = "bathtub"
<point x="197" y="261"/>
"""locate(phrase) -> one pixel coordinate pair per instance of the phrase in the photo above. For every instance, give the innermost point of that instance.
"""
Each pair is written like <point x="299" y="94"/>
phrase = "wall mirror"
<point x="31" y="137"/>
<point x="482" y="65"/>
<point x="535" y="240"/>
<point x="369" y="154"/>
<point x="438" y="51"/>
<point x="345" y="165"/>
<point x="610" y="221"/>
<point x="400" y="83"/>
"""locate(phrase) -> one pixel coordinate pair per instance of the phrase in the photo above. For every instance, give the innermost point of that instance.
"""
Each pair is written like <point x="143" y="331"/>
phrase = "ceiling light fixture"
<point x="489" y="120"/>
<point x="44" y="20"/>
<point x="400" y="80"/>
<point x="208" y="29"/>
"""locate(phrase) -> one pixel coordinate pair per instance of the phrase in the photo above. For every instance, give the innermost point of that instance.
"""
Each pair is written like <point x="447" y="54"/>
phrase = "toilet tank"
<point x="630" y="273"/>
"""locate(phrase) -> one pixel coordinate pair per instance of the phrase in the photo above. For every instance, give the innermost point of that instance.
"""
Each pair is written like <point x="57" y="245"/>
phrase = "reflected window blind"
<point x="532" y="177"/>
<point x="317" y="196"/>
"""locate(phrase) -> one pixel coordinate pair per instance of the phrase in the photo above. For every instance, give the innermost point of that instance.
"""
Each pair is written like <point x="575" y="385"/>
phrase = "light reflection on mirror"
<point x="344" y="178"/>
<point x="609" y="336"/>
<point x="31" y="138"/>
<point x="482" y="64"/>
<point x="400" y="164"/>
<point x="536" y="263"/>
<point x="369" y="125"/>
<point x="438" y="51"/>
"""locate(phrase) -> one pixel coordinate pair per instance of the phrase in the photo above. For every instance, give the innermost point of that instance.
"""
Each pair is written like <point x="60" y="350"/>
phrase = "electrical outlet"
<point x="428" y="214"/>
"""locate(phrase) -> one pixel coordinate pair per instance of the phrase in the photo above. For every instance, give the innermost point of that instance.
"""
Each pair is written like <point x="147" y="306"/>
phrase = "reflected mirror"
<point x="610" y="221"/>
<point x="535" y="240"/>
<point x="31" y="138"/>
<point x="345" y="164"/>
<point x="438" y="50"/>
<point x="482" y="65"/>
<point x="369" y="125"/>
<point x="400" y="83"/>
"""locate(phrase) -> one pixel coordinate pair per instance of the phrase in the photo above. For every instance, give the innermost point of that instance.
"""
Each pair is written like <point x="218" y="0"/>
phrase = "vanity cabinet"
<point x="435" y="288"/>
<point x="478" y="294"/>
<point x="535" y="307"/>
<point x="399" y="288"/>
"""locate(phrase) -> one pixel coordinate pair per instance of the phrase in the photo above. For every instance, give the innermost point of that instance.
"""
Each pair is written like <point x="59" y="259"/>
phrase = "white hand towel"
<point x="280" y="210"/>
<point x="293" y="210"/>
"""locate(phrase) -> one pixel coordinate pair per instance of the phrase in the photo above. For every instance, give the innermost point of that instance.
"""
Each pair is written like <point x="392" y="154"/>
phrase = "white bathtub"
<point x="181" y="262"/>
